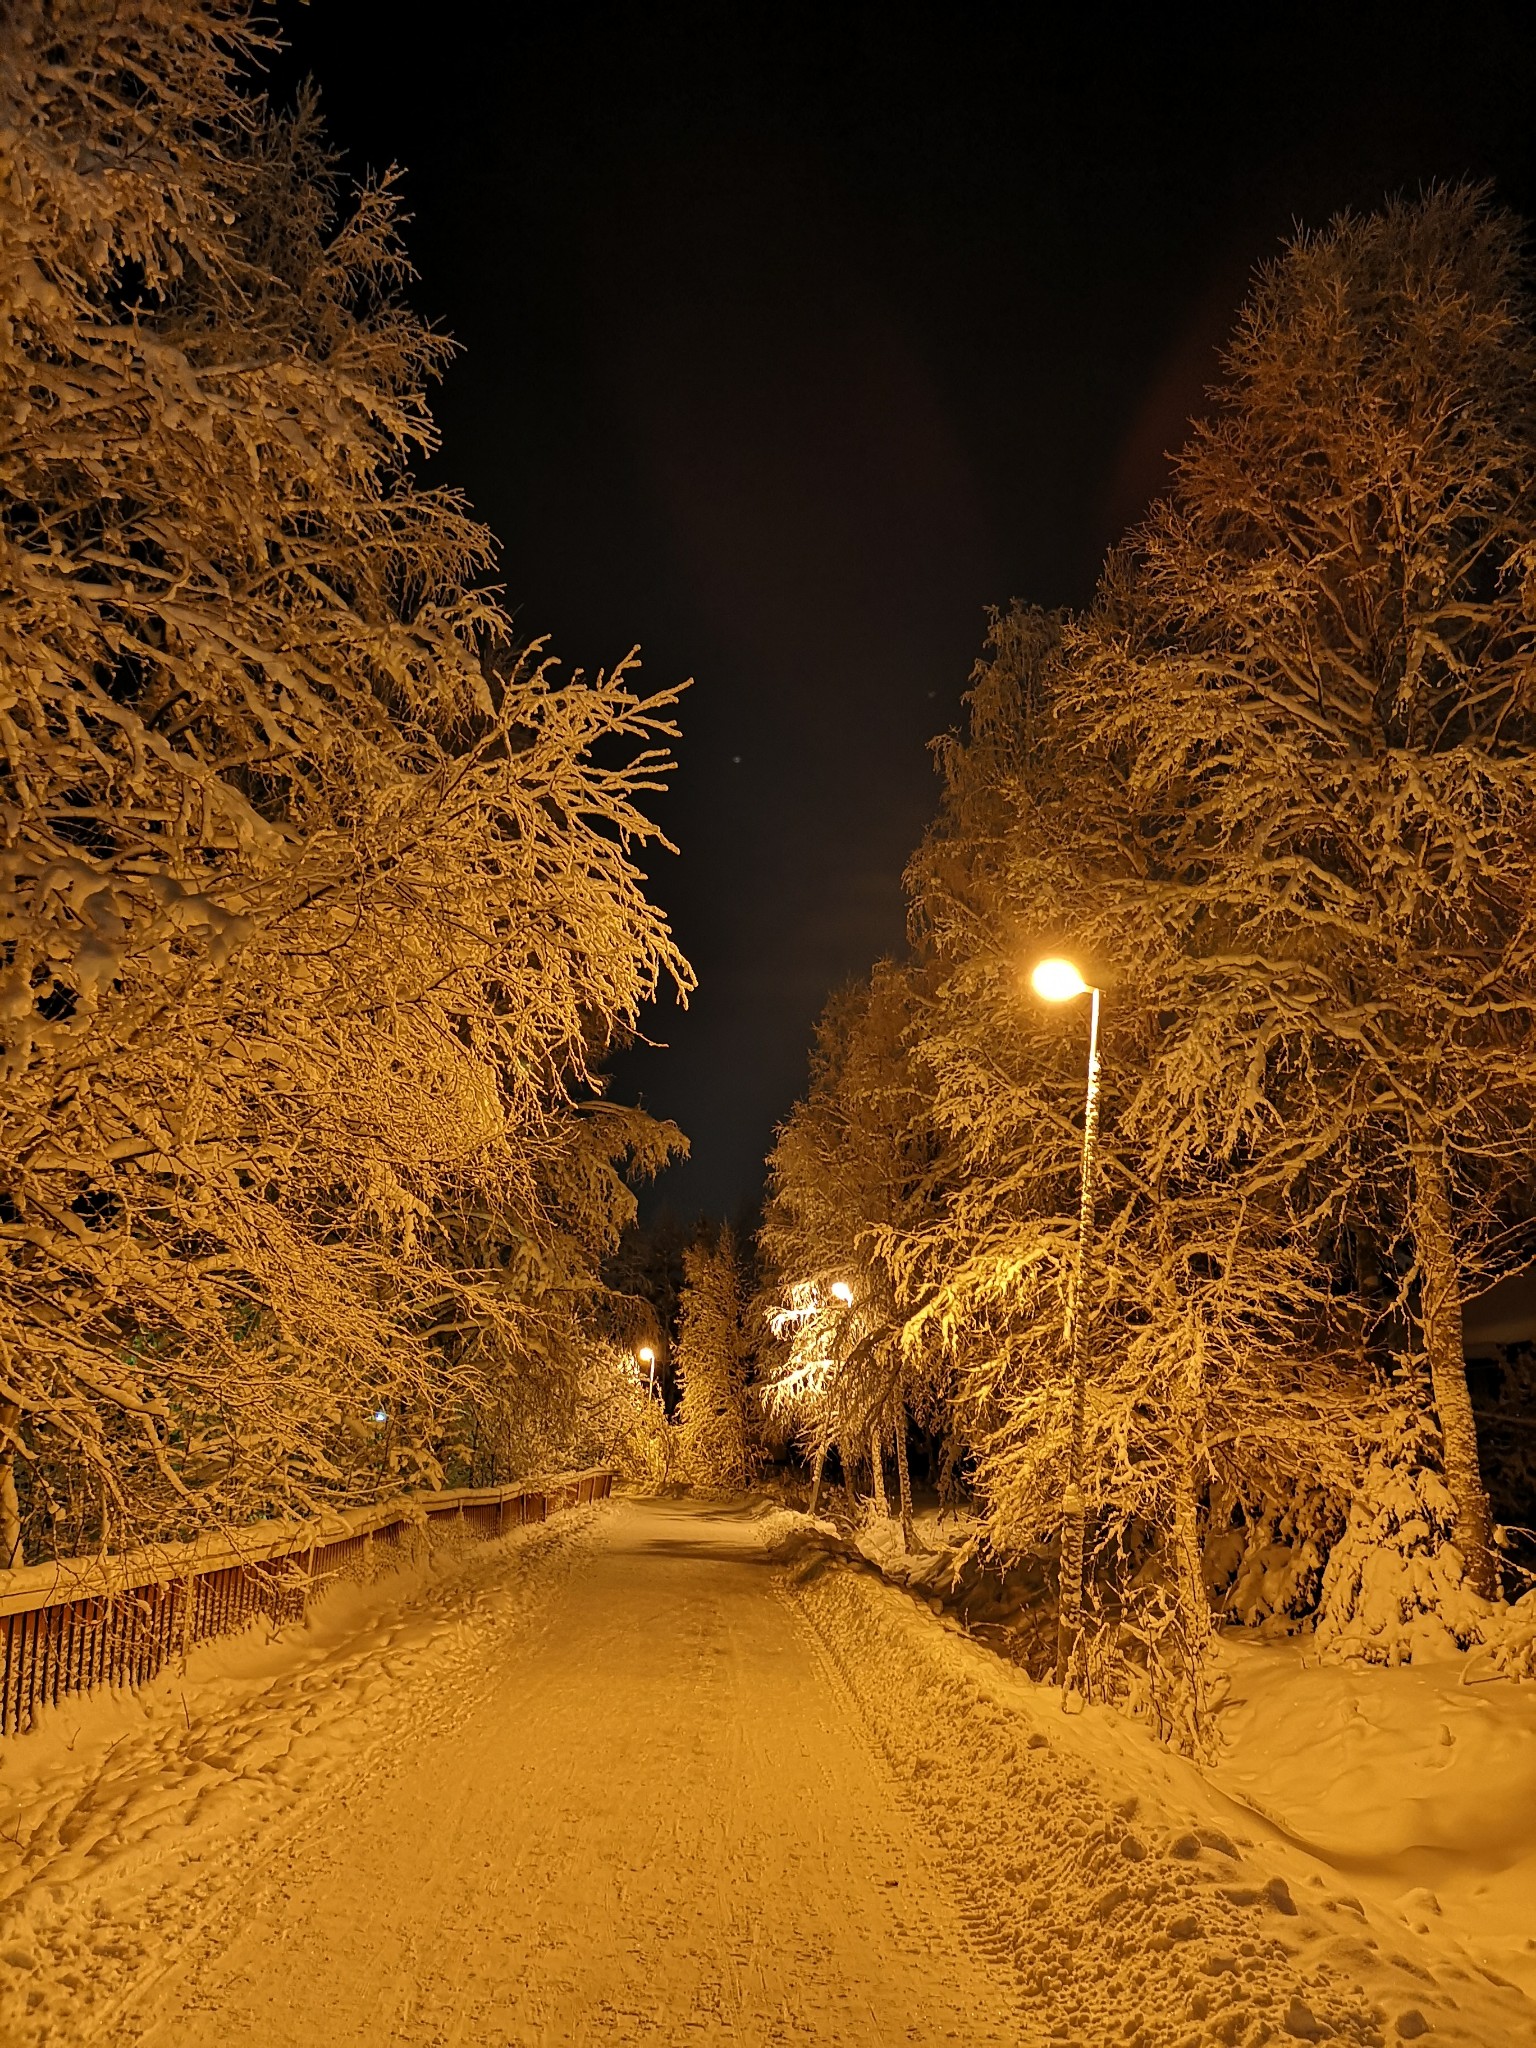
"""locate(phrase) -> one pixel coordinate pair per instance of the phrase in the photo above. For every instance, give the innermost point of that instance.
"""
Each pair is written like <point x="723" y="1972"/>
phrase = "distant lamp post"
<point x="1058" y="981"/>
<point x="647" y="1357"/>
<point x="842" y="1292"/>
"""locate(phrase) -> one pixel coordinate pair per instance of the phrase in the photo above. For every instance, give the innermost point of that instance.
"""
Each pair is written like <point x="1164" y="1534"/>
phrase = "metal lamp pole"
<point x="1059" y="981"/>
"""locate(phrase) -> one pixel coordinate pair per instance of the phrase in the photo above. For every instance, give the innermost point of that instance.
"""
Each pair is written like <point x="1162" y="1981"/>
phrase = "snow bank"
<point x="1417" y="1784"/>
<point x="1139" y="1900"/>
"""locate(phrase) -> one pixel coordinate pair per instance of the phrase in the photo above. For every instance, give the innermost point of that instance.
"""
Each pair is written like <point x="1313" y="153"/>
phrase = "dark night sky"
<point x="795" y="337"/>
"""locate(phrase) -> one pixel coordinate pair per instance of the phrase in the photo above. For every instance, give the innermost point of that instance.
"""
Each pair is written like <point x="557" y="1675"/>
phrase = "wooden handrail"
<point x="156" y="1564"/>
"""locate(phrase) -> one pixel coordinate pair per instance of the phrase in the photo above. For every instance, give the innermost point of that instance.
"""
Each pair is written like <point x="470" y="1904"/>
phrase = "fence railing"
<point x="79" y="1623"/>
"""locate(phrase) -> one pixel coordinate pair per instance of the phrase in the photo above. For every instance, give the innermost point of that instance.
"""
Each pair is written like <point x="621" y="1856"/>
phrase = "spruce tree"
<point x="711" y="1356"/>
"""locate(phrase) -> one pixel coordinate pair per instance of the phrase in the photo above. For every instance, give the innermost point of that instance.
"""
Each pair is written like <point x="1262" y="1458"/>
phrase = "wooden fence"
<point x="83" y="1622"/>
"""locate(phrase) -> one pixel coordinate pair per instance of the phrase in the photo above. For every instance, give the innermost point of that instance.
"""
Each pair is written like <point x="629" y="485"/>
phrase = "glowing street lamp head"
<point x="646" y="1355"/>
<point x="1058" y="981"/>
<point x="842" y="1292"/>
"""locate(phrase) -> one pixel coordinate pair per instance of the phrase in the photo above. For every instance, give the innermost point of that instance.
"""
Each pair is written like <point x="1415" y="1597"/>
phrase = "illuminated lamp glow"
<point x="1058" y="981"/>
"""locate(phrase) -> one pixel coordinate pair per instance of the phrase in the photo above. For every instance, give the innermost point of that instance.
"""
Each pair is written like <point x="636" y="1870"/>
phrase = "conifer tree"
<point x="712" y="1357"/>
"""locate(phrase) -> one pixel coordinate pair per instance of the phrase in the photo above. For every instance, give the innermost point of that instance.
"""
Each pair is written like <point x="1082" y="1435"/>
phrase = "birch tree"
<point x="850" y="1171"/>
<point x="1211" y="1366"/>
<point x="321" y="898"/>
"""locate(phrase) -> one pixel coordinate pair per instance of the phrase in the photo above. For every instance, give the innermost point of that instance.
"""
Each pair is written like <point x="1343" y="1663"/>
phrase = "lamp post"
<point x="1058" y="981"/>
<point x="647" y="1357"/>
<point x="840" y="1291"/>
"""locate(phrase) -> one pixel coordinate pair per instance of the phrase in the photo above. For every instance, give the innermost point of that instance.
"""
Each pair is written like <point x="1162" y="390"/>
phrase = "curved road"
<point x="651" y="1815"/>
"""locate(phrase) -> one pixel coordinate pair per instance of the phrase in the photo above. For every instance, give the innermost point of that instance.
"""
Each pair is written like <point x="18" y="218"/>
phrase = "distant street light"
<point x="1059" y="981"/>
<point x="648" y="1357"/>
<point x="842" y="1292"/>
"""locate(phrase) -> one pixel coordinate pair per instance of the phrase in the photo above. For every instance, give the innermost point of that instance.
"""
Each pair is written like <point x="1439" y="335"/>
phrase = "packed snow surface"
<point x="670" y="1770"/>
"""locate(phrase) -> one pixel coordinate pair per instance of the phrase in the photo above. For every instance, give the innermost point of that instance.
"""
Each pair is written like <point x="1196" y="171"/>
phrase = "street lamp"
<point x="648" y="1357"/>
<point x="1058" y="981"/>
<point x="840" y="1291"/>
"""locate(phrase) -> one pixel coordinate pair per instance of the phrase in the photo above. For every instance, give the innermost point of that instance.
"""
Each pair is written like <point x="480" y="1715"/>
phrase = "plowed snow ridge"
<point x="626" y="1779"/>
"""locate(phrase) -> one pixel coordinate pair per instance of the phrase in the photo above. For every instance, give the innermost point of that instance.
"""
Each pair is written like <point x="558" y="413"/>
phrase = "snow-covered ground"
<point x="1417" y="1786"/>
<point x="1395" y="1811"/>
<point x="665" y="1771"/>
<point x="593" y="1784"/>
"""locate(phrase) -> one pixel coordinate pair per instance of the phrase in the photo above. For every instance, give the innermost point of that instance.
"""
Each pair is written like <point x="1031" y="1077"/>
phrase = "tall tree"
<point x="1320" y="674"/>
<point x="1205" y="1322"/>
<point x="320" y="898"/>
<point x="850" y="1174"/>
<point x="712" y="1356"/>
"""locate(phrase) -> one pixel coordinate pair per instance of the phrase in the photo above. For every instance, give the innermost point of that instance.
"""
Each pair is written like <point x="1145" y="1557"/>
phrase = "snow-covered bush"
<point x="1396" y="1588"/>
<point x="1264" y="1560"/>
<point x="1509" y="1639"/>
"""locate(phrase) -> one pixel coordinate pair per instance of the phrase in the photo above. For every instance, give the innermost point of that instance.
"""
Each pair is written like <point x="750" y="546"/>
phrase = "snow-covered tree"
<point x="321" y="902"/>
<point x="1206" y="1332"/>
<point x="1396" y="1586"/>
<point x="712" y="1358"/>
<point x="850" y="1174"/>
<point x="1319" y="676"/>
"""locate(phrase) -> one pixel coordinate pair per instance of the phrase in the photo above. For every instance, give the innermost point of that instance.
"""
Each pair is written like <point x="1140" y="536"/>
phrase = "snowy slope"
<point x="1417" y="1785"/>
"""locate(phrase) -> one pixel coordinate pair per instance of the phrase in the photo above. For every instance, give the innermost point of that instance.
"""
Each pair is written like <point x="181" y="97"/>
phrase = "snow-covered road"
<point x="660" y="1771"/>
<point x="645" y="1813"/>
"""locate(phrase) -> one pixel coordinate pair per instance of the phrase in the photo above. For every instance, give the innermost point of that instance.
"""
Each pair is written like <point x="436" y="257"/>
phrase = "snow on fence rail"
<point x="83" y="1622"/>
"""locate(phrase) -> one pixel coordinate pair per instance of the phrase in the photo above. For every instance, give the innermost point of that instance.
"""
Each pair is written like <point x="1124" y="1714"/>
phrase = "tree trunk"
<point x="820" y="1468"/>
<point x="1193" y="1602"/>
<point x="1441" y="1319"/>
<point x="904" y="1479"/>
<point x="11" y="1556"/>
<point x="846" y="1456"/>
<point x="877" y="1461"/>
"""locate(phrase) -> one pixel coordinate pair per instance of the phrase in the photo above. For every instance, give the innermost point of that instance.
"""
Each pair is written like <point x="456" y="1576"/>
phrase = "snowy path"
<point x="654" y="1819"/>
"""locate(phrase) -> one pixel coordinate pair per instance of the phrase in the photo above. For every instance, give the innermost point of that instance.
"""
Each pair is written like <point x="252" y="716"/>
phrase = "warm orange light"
<point x="841" y="1291"/>
<point x="1058" y="981"/>
<point x="647" y="1355"/>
